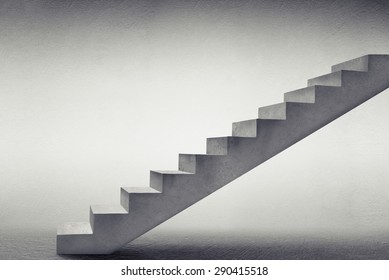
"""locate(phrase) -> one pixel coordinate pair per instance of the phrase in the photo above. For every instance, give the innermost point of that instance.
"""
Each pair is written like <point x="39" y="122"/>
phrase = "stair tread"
<point x="108" y="209"/>
<point x="228" y="136"/>
<point x="344" y="71"/>
<point x="171" y="172"/>
<point x="73" y="228"/>
<point x="301" y="89"/>
<point x="140" y="190"/>
<point x="280" y="105"/>
<point x="203" y="155"/>
<point x="272" y="105"/>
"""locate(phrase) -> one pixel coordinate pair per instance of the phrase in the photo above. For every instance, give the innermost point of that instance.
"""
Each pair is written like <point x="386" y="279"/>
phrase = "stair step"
<point x="100" y="213"/>
<point x="357" y="64"/>
<point x="187" y="163"/>
<point x="273" y="112"/>
<point x="336" y="79"/>
<point x="130" y="192"/>
<point x="193" y="162"/>
<point x="332" y="79"/>
<point x="217" y="145"/>
<point x="245" y="128"/>
<point x="140" y="190"/>
<point x="127" y="192"/>
<point x="75" y="228"/>
<point x="157" y="177"/>
<point x="308" y="94"/>
<point x="304" y="95"/>
<point x="221" y="145"/>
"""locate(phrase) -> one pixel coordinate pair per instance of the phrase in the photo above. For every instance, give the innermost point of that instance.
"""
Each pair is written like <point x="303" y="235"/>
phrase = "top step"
<point x="363" y="63"/>
<point x="356" y="64"/>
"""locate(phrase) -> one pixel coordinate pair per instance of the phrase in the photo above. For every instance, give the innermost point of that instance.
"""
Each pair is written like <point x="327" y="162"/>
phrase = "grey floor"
<point x="185" y="245"/>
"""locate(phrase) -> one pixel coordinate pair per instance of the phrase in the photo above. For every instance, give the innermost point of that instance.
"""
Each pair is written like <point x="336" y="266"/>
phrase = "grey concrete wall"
<point x="95" y="94"/>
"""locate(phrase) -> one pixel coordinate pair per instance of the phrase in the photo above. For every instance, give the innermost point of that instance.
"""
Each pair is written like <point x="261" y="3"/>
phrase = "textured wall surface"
<point x="94" y="94"/>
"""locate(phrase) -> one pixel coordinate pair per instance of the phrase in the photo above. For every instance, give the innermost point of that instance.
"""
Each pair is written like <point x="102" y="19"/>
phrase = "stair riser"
<point x="195" y="163"/>
<point x="245" y="128"/>
<point x="66" y="245"/>
<point x="156" y="181"/>
<point x="187" y="163"/>
<point x="124" y="199"/>
<point x="226" y="143"/>
<point x="127" y="199"/>
<point x="217" y="146"/>
<point x="273" y="112"/>
<point x="100" y="222"/>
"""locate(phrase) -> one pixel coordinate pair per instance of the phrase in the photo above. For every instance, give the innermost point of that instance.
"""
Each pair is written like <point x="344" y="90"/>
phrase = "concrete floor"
<point x="158" y="245"/>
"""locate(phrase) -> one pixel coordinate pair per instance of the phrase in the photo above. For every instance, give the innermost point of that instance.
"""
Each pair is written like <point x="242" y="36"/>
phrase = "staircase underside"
<point x="252" y="142"/>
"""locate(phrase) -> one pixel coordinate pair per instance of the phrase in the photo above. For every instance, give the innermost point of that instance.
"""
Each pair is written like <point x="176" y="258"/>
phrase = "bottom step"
<point x="75" y="228"/>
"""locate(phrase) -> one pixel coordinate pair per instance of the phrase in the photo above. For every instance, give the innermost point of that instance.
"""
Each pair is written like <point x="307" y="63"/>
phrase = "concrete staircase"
<point x="252" y="142"/>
